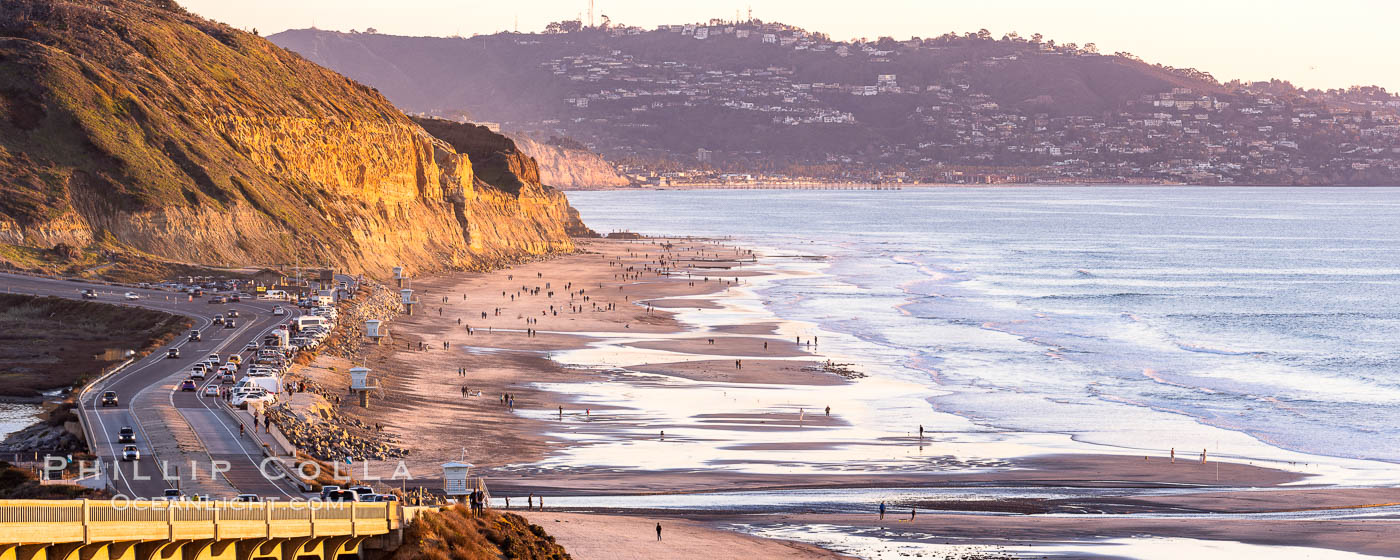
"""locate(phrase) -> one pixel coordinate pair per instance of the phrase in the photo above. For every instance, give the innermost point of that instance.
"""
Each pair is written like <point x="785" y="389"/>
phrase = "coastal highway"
<point x="154" y="380"/>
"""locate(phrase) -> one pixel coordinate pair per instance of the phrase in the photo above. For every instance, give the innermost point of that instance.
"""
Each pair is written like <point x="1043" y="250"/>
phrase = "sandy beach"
<point x="547" y="376"/>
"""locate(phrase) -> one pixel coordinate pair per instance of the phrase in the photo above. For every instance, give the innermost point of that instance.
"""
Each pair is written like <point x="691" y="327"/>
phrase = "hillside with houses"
<point x="752" y="101"/>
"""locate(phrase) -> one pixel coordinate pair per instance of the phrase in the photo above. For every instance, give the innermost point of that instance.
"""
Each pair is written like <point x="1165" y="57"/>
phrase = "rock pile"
<point x="843" y="370"/>
<point x="42" y="437"/>
<point x="334" y="437"/>
<point x="374" y="301"/>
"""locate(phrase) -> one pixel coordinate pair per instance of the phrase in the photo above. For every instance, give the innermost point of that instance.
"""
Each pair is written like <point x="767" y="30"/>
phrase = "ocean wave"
<point x="1119" y="295"/>
<point x="1208" y="350"/>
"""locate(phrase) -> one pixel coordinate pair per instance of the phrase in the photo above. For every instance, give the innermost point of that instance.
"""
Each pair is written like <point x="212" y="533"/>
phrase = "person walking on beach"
<point x="658" y="531"/>
<point x="1173" y="455"/>
<point x="882" y="510"/>
<point x="921" y="431"/>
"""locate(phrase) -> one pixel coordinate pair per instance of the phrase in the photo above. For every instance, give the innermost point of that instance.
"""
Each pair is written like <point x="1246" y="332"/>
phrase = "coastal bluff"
<point x="132" y="131"/>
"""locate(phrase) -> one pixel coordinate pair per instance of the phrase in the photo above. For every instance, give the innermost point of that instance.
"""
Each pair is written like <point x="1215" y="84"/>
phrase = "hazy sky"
<point x="1313" y="43"/>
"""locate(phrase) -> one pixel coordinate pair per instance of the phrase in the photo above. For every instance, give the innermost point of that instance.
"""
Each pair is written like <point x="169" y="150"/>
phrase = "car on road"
<point x="279" y="311"/>
<point x="218" y="299"/>
<point x="232" y="313"/>
<point x="211" y="391"/>
<point x="229" y="324"/>
<point x="247" y="498"/>
<point x="188" y="385"/>
<point x="126" y="435"/>
<point x="251" y="347"/>
<point x="172" y="353"/>
<point x="173" y="494"/>
<point x="218" y="319"/>
<point x="197" y="372"/>
<point x="109" y="398"/>
<point x="342" y="496"/>
<point x="89" y="294"/>
<point x="131" y="453"/>
<point x="235" y="298"/>
<point x="131" y="296"/>
<point x="194" y="336"/>
<point x="226" y="379"/>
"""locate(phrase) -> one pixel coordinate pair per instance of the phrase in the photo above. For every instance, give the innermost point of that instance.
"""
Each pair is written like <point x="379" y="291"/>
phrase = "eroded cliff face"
<point x="571" y="168"/>
<point x="135" y="128"/>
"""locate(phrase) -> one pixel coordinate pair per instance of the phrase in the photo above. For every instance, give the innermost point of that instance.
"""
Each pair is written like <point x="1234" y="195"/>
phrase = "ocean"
<point x="1124" y="317"/>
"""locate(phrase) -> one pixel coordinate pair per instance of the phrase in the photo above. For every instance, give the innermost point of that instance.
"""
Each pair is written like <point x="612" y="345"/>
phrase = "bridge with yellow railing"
<point x="145" y="530"/>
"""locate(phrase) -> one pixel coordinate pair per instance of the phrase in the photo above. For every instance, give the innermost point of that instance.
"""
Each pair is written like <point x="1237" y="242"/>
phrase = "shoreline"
<point x="542" y="445"/>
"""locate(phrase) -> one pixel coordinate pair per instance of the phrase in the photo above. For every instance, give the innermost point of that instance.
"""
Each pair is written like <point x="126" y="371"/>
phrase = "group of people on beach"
<point x="912" y="512"/>
<point x="477" y="501"/>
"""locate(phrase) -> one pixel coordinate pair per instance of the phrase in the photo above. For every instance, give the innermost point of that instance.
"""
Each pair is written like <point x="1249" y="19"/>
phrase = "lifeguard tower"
<point x="456" y="479"/>
<point x="373" y="330"/>
<point x="398" y="275"/>
<point x="360" y="384"/>
<point x="408" y="302"/>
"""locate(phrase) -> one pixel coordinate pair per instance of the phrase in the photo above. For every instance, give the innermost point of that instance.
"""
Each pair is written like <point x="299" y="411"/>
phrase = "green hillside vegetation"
<point x="133" y="132"/>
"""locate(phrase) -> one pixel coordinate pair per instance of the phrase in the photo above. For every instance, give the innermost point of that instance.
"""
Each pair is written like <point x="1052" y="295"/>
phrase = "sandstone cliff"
<point x="498" y="161"/>
<point x="568" y="167"/>
<point x="132" y="128"/>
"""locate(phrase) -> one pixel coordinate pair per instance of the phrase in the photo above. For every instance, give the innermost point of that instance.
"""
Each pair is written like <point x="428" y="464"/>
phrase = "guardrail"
<point x="86" y="521"/>
<point x="89" y="432"/>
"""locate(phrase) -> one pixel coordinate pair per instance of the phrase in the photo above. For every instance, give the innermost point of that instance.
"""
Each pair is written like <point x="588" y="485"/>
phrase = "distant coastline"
<point x="856" y="185"/>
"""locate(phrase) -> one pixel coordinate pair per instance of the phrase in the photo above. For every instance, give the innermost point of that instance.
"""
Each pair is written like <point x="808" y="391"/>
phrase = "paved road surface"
<point x="216" y="430"/>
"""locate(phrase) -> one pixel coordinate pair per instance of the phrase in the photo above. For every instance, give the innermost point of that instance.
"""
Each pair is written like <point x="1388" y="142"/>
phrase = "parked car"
<point x="131" y="296"/>
<point x="211" y="391"/>
<point x="247" y="498"/>
<point x="131" y="453"/>
<point x="188" y="385"/>
<point x="173" y="494"/>
<point x="242" y="399"/>
<point x="327" y="489"/>
<point x="109" y="398"/>
<point x="172" y="353"/>
<point x="126" y="435"/>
